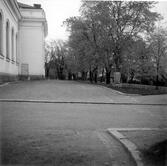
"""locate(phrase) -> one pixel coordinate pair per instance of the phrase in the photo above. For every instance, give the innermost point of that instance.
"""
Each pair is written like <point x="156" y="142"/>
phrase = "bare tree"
<point x="55" y="52"/>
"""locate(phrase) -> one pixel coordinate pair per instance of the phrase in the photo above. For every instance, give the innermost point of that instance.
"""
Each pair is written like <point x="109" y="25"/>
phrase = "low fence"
<point x="138" y="86"/>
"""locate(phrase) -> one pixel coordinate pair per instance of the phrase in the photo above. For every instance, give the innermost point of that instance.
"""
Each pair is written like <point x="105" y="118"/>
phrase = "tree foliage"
<point x="116" y="22"/>
<point x="158" y="51"/>
<point x="111" y="36"/>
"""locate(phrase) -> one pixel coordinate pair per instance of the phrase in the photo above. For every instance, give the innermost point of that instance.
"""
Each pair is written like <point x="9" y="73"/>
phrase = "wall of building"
<point x="8" y="66"/>
<point x="32" y="48"/>
<point x="32" y="42"/>
<point x="24" y="56"/>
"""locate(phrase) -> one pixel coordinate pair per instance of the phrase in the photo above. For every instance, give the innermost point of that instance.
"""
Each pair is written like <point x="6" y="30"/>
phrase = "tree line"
<point x="111" y="37"/>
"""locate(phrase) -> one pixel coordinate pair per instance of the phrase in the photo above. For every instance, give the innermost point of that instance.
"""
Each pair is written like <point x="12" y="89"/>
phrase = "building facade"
<point x="23" y="29"/>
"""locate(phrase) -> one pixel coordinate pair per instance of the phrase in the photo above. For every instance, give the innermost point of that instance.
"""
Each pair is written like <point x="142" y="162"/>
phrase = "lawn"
<point x="152" y="144"/>
<point x="128" y="90"/>
<point x="137" y="91"/>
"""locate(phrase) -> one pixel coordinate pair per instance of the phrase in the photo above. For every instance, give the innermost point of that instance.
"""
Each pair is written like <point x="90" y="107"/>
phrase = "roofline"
<point x="23" y="6"/>
<point x="26" y="6"/>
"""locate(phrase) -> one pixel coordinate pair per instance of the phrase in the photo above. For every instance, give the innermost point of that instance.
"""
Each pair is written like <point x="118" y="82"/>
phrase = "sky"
<point x="58" y="11"/>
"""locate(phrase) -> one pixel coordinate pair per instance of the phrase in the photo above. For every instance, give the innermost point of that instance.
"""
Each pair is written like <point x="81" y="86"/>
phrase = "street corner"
<point x="116" y="151"/>
<point x="147" y="146"/>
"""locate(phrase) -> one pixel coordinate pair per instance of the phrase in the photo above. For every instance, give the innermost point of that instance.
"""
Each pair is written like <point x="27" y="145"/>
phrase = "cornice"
<point x="36" y="20"/>
<point x="13" y="8"/>
<point x="29" y="19"/>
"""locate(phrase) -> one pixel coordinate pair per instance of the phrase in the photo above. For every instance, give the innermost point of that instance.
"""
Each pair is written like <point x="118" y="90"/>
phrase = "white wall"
<point x="30" y="30"/>
<point x="8" y="67"/>
<point x="32" y="47"/>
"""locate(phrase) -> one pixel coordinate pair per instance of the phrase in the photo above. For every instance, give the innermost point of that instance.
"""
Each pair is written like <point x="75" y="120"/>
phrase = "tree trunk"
<point x="61" y="73"/>
<point x="86" y="73"/>
<point x="90" y="76"/>
<point x="102" y="77"/>
<point x="57" y="73"/>
<point x="117" y="66"/>
<point x="157" y="77"/>
<point x="47" y="69"/>
<point x="124" y="78"/>
<point x="117" y="59"/>
<point x="95" y="77"/>
<point x="74" y="76"/>
<point x="108" y="77"/>
<point x="83" y="75"/>
<point x="47" y="72"/>
<point x="132" y="76"/>
<point x="69" y="76"/>
<point x="95" y="74"/>
<point x="157" y="82"/>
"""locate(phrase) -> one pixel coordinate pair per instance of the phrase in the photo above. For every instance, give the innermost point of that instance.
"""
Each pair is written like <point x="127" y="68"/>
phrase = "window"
<point x="16" y="46"/>
<point x="1" y="32"/>
<point x="7" y="39"/>
<point x="12" y="38"/>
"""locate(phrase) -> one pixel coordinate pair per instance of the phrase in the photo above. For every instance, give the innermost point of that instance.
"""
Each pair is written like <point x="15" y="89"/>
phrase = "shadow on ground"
<point x="156" y="154"/>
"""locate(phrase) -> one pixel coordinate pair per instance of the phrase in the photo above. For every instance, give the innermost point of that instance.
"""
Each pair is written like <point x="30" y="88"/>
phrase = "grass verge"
<point x="129" y="90"/>
<point x="152" y="144"/>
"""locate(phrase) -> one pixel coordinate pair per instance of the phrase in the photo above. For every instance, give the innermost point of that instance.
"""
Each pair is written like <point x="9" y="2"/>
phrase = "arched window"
<point x="12" y="50"/>
<point x="16" y="50"/>
<point x="7" y="39"/>
<point x="1" y="32"/>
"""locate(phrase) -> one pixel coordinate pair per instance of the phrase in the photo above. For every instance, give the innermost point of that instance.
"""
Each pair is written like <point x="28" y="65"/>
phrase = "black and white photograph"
<point x="83" y="83"/>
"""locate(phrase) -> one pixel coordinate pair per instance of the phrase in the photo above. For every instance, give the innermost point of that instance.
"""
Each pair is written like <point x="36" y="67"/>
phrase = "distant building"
<point x="23" y="29"/>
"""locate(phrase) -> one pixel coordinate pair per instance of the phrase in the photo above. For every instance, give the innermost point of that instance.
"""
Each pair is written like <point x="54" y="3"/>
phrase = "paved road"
<point x="61" y="91"/>
<point x="70" y="133"/>
<point x="72" y="91"/>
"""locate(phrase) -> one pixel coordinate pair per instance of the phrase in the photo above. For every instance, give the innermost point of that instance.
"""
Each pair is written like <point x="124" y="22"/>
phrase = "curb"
<point x="128" y="145"/>
<point x="7" y="83"/>
<point x="76" y="102"/>
<point x="4" y="84"/>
